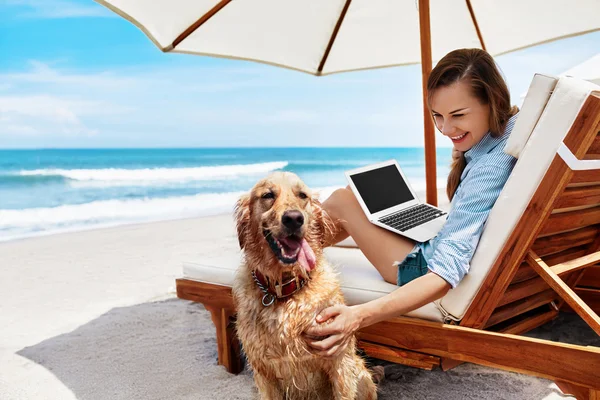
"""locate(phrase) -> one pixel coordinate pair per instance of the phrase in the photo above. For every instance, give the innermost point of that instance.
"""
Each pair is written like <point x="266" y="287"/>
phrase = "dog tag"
<point x="268" y="299"/>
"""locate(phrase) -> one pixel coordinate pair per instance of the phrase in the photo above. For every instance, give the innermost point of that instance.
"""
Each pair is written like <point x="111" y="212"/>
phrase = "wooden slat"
<point x="585" y="128"/>
<point x="579" y="196"/>
<point x="567" y="294"/>
<point x="579" y="392"/>
<point x="519" y="307"/>
<point x="566" y="255"/>
<point x="591" y="297"/>
<point x="524" y="273"/>
<point x="556" y="243"/>
<point x="520" y="327"/>
<point x="399" y="356"/>
<point x="573" y="279"/>
<point x="205" y="293"/>
<point x="522" y="290"/>
<point x="585" y="176"/>
<point x="571" y="220"/>
<point x="448" y="363"/>
<point x="543" y="358"/>
<point x="595" y="147"/>
<point x="527" y="282"/>
<point x="576" y="264"/>
<point x="591" y="278"/>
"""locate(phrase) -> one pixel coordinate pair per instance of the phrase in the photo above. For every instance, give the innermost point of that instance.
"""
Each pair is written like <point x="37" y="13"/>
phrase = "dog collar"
<point x="281" y="291"/>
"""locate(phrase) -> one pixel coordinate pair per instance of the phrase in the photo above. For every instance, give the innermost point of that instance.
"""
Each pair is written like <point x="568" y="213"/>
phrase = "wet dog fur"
<point x="271" y="336"/>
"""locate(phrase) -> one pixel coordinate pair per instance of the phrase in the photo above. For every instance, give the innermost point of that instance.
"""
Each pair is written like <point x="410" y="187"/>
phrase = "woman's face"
<point x="459" y="115"/>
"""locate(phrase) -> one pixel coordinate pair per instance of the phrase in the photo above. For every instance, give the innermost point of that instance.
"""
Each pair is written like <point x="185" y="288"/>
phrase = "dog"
<point x="281" y="286"/>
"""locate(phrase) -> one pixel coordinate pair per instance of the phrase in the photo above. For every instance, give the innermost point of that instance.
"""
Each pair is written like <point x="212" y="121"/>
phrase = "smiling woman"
<point x="468" y="97"/>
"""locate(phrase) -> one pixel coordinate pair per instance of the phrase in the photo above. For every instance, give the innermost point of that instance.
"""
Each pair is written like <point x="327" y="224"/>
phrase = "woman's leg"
<point x="380" y="246"/>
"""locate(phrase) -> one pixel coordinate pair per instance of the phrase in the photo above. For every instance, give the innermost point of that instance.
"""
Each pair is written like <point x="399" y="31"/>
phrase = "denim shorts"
<point x="413" y="266"/>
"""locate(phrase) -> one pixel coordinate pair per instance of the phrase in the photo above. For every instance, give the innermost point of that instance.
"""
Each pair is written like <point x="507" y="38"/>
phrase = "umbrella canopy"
<point x="323" y="37"/>
<point x="588" y="70"/>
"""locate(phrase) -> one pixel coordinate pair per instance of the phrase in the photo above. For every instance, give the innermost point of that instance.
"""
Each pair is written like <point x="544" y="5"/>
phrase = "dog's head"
<point x="280" y="223"/>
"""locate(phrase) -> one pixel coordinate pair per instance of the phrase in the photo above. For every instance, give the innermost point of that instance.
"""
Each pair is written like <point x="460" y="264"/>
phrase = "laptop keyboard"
<point x="408" y="219"/>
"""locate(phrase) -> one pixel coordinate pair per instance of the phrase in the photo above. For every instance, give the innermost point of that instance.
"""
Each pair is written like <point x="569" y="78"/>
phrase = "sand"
<point x="93" y="315"/>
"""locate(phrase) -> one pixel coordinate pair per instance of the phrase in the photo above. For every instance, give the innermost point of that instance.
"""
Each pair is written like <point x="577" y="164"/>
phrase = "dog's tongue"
<point x="306" y="257"/>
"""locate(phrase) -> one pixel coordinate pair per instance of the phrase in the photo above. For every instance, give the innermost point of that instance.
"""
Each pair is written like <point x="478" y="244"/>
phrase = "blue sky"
<point x="72" y="74"/>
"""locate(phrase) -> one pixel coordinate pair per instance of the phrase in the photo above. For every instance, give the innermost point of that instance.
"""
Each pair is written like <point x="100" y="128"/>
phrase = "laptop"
<point x="389" y="202"/>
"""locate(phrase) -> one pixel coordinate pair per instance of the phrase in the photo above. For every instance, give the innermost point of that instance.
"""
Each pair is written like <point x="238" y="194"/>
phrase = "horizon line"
<point x="214" y="148"/>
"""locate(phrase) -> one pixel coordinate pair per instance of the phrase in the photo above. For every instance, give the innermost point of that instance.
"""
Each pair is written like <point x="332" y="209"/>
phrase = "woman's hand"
<point x="334" y="330"/>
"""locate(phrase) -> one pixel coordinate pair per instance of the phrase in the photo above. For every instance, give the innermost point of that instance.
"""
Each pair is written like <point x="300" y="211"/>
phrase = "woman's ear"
<point x="242" y="218"/>
<point x="325" y="225"/>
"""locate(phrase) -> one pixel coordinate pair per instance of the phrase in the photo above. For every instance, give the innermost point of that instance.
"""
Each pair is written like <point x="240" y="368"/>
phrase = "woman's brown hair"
<point x="478" y="68"/>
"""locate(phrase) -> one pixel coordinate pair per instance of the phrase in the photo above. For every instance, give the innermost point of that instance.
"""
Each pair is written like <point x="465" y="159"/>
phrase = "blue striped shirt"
<point x="488" y="167"/>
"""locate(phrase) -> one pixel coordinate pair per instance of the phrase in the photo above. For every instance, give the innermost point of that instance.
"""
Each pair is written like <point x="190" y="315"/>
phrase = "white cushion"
<point x="359" y="280"/>
<point x="553" y="125"/>
<point x="537" y="97"/>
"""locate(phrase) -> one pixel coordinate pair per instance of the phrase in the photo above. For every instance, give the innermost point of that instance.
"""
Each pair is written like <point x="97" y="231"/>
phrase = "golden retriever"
<point x="283" y="283"/>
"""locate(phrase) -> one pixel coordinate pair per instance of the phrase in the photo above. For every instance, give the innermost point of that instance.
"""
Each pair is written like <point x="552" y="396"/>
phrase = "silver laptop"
<point x="389" y="202"/>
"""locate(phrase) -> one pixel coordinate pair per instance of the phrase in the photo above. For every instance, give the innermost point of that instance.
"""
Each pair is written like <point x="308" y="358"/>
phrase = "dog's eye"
<point x="302" y="195"/>
<point x="268" y="195"/>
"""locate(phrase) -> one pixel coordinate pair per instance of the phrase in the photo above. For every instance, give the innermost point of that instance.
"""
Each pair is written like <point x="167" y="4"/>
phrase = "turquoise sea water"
<point x="50" y="191"/>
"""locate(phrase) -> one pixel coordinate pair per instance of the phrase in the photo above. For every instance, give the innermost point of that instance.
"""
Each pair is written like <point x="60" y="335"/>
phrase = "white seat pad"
<point x="359" y="280"/>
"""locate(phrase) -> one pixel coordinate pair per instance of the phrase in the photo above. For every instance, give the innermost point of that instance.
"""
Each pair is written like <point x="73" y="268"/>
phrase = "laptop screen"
<point x="382" y="188"/>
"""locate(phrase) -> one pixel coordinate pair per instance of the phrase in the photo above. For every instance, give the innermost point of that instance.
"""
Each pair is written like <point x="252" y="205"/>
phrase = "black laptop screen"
<point x="382" y="188"/>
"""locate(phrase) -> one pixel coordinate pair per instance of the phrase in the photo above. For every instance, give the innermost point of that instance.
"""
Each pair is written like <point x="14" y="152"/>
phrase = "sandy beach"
<point x="93" y="315"/>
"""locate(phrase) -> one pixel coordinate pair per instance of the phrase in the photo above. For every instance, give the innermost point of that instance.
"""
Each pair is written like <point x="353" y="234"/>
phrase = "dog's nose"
<point x="292" y="220"/>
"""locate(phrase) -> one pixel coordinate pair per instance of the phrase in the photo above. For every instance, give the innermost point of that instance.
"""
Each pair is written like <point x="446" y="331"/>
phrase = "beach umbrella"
<point x="588" y="70"/>
<point x="322" y="37"/>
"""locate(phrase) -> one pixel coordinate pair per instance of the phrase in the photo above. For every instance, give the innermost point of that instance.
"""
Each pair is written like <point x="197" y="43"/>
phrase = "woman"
<point x="470" y="104"/>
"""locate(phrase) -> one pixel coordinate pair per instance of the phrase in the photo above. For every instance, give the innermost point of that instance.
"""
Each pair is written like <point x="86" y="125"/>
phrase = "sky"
<point x="75" y="75"/>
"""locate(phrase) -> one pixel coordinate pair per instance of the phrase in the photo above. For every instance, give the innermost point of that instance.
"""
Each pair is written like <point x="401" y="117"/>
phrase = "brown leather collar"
<point x="280" y="291"/>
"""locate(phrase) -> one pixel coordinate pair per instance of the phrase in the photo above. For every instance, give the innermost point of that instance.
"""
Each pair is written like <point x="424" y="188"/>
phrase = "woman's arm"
<point x="347" y="320"/>
<point x="409" y="297"/>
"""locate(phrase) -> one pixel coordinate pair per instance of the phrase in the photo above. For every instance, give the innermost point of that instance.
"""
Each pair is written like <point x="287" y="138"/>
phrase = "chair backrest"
<point x="525" y="216"/>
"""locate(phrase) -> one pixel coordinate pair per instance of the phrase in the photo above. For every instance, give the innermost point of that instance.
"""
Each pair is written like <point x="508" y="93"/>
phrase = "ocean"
<point x="50" y="191"/>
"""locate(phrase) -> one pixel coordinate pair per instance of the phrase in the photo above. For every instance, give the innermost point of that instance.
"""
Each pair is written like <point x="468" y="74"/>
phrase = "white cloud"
<point x="43" y="73"/>
<point x="52" y="9"/>
<point x="45" y="115"/>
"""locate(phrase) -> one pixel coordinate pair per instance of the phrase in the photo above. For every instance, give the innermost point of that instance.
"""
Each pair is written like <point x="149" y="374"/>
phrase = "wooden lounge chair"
<point x="539" y="254"/>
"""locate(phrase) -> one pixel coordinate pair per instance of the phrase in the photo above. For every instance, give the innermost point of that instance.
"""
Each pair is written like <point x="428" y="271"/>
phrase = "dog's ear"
<point x="242" y="218"/>
<point x="325" y="225"/>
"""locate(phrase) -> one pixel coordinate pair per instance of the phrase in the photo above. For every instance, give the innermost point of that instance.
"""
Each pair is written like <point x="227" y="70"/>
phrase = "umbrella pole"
<point x="426" y="63"/>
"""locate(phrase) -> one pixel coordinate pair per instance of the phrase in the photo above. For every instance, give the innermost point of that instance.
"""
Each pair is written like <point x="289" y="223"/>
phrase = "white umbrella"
<point x="588" y="70"/>
<point x="323" y="37"/>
